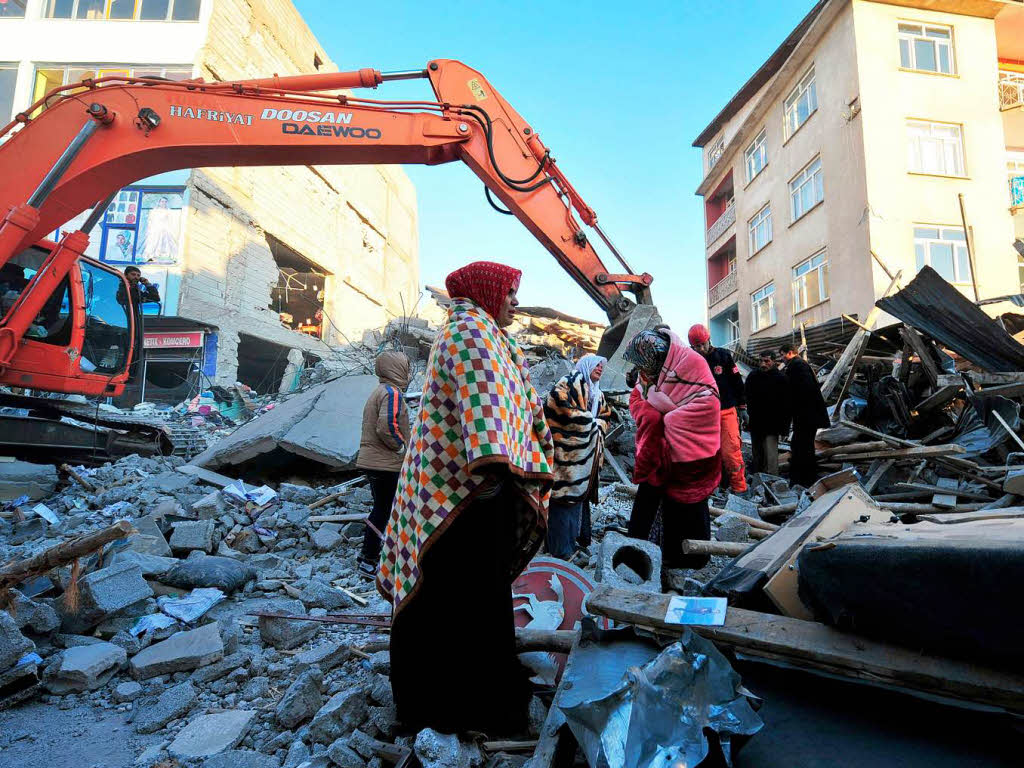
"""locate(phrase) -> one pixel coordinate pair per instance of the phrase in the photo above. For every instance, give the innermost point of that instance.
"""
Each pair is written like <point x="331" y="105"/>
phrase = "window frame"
<point x="757" y="148"/>
<point x="769" y="296"/>
<point x="24" y="9"/>
<point x="714" y="154"/>
<point x="809" y="178"/>
<point x="807" y="83"/>
<point x="911" y="39"/>
<point x="107" y="4"/>
<point x="931" y="124"/>
<point x="9" y="66"/>
<point x="753" y="223"/>
<point x="823" y="276"/>
<point x="957" y="245"/>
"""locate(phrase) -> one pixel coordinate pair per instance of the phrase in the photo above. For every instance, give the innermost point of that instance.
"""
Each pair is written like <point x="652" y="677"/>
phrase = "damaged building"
<point x="261" y="271"/>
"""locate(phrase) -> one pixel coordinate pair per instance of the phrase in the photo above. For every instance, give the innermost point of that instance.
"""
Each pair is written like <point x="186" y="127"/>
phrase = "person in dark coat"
<point x="809" y="415"/>
<point x="140" y="291"/>
<point x="768" y="412"/>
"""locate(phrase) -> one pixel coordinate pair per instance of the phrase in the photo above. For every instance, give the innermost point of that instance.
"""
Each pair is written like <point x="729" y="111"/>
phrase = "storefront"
<point x="180" y="359"/>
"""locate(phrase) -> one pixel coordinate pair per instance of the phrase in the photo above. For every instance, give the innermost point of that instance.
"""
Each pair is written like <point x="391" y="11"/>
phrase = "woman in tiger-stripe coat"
<point x="578" y="415"/>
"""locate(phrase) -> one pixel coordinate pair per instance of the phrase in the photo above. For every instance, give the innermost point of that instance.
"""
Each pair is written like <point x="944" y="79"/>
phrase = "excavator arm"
<point x="96" y="137"/>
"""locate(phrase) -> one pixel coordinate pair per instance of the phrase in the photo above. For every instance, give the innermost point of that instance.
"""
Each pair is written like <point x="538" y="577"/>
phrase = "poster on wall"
<point x="159" y="228"/>
<point x="119" y="245"/>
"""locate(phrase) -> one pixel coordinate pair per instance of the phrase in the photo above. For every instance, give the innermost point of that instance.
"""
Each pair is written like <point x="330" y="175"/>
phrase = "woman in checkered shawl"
<point x="470" y="513"/>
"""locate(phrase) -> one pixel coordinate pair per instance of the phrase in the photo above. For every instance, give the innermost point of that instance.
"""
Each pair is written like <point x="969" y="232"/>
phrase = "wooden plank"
<point x="921" y="348"/>
<point x="984" y="379"/>
<point x="723" y="548"/>
<point x="1008" y="428"/>
<point x="753" y="522"/>
<point x="819" y="648"/>
<point x="877" y="475"/>
<point x="616" y="467"/>
<point x="854" y="348"/>
<point x="938" y="399"/>
<point x="947" y="518"/>
<point x="836" y="450"/>
<point x="925" y="488"/>
<point x="549" y="748"/>
<point x="945" y="498"/>
<point x="782" y="587"/>
<point x="901" y="508"/>
<point x="917" y="452"/>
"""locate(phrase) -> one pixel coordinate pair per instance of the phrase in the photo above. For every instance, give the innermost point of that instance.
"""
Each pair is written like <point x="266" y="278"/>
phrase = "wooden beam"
<point x="753" y="522"/>
<point x="63" y="553"/>
<point x="925" y="488"/>
<point x="877" y="475"/>
<point x="1008" y="428"/>
<point x="984" y="379"/>
<point x="917" y="343"/>
<point x="939" y="398"/>
<point x="907" y="508"/>
<point x="916" y="452"/>
<point x="821" y="649"/>
<point x="950" y="518"/>
<point x="724" y="548"/>
<point x="946" y="493"/>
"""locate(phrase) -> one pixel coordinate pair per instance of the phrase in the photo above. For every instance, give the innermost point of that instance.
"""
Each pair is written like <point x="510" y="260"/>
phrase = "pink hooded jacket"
<point x="687" y="396"/>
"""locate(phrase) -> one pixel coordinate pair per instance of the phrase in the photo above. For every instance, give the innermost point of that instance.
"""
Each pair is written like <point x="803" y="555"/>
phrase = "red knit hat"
<point x="698" y="335"/>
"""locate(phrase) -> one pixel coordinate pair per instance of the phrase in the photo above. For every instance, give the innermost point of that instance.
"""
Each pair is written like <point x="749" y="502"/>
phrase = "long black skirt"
<point x="453" y="659"/>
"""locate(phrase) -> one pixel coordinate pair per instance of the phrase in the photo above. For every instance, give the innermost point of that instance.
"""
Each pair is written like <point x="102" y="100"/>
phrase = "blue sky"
<point x="617" y="91"/>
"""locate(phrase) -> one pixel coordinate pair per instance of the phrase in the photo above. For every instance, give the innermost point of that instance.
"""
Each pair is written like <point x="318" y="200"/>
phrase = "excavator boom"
<point x="93" y="138"/>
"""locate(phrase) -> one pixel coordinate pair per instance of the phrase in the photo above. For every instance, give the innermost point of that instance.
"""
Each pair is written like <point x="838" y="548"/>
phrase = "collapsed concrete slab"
<point x="323" y="424"/>
<point x="19" y="478"/>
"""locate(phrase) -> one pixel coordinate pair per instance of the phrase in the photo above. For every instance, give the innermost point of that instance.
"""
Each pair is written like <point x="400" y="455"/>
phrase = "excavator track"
<point x="51" y="431"/>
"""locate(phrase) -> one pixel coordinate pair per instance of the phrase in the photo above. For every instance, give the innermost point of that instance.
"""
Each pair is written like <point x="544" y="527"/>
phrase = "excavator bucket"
<point x="617" y="336"/>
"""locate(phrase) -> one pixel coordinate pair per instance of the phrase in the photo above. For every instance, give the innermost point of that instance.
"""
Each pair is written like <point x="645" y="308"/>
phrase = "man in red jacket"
<point x="734" y="404"/>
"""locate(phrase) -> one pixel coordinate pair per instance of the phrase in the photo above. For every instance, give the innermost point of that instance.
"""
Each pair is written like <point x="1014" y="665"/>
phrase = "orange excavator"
<point x="65" y="323"/>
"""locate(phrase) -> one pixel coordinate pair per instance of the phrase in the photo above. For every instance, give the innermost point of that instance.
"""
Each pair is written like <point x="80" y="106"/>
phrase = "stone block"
<point x="241" y="758"/>
<point x="150" y="539"/>
<point x="173" y="703"/>
<point x="84" y="668"/>
<point x="743" y="506"/>
<point x="319" y="594"/>
<point x="731" y="528"/>
<point x="13" y="644"/>
<point x="210" y="735"/>
<point x="445" y="750"/>
<point x="343" y="756"/>
<point x="641" y="557"/>
<point x="150" y="565"/>
<point x="327" y="537"/>
<point x="20" y="478"/>
<point x="128" y="691"/>
<point x="105" y="592"/>
<point x="193" y="535"/>
<point x="302" y="700"/>
<point x="37" y="618"/>
<point x="181" y="652"/>
<point x="285" y="634"/>
<point x="26" y="530"/>
<point x="343" y="713"/>
<point x="326" y="657"/>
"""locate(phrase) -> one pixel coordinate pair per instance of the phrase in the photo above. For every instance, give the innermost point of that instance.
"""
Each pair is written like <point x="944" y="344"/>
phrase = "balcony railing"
<point x="1011" y="90"/>
<point x="726" y="220"/>
<point x="722" y="288"/>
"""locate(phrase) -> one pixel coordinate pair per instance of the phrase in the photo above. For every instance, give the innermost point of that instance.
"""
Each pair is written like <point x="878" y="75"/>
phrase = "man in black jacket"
<point x="734" y="405"/>
<point x="140" y="290"/>
<point x="768" y="409"/>
<point x="809" y="415"/>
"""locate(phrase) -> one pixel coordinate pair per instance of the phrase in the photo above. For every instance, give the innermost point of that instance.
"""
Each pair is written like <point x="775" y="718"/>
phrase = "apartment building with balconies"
<point x="858" y="150"/>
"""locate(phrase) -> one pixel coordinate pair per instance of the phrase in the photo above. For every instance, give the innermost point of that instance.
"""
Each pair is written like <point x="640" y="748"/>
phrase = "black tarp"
<point x="936" y="308"/>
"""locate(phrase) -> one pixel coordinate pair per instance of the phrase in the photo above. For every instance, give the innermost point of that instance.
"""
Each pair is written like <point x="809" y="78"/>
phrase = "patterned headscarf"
<point x="647" y="351"/>
<point x="486" y="283"/>
<point x="586" y="366"/>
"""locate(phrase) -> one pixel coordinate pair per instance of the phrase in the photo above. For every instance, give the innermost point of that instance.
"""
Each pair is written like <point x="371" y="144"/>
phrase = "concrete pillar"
<point x="295" y="363"/>
<point x="227" y="357"/>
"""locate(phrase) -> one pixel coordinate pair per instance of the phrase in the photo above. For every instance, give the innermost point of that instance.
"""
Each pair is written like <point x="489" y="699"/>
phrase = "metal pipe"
<point x="404" y="74"/>
<point x="94" y="216"/>
<point x="59" y="168"/>
<point x="613" y="249"/>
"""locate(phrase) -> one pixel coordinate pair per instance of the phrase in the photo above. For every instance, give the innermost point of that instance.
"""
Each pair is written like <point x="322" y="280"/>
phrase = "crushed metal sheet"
<point x="960" y="325"/>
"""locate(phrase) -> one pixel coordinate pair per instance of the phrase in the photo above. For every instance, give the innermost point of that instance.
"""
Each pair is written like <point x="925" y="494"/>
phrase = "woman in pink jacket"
<point x="678" y="454"/>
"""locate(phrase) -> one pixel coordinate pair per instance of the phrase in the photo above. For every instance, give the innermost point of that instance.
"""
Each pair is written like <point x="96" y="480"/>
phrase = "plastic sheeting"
<point x="960" y="325"/>
<point x="631" y="705"/>
<point x="979" y="431"/>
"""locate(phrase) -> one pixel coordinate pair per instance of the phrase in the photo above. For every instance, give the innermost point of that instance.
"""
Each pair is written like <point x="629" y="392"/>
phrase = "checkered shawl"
<point x="478" y="408"/>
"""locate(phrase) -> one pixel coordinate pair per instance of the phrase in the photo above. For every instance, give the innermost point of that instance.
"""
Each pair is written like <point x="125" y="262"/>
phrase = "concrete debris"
<point x="127" y="691"/>
<point x="731" y="527"/>
<point x="173" y="703"/>
<point x="302" y="700"/>
<point x="641" y="558"/>
<point x="210" y="735"/>
<point x="20" y="478"/>
<point x="84" y="668"/>
<point x="241" y="758"/>
<point x="104" y="593"/>
<point x="191" y="535"/>
<point x="344" y="712"/>
<point x="182" y="652"/>
<point x="440" y="750"/>
<point x="285" y="634"/>
<point x="322" y="424"/>
<point x="319" y="594"/>
<point x="13" y="644"/>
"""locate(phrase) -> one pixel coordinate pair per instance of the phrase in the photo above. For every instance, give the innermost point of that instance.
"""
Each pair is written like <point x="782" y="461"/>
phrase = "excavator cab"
<point x="82" y="340"/>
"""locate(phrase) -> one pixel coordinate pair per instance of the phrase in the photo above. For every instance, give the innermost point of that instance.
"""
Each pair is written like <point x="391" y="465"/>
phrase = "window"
<point x="756" y="155"/>
<point x="936" y="148"/>
<point x="927" y="48"/>
<point x="12" y="9"/>
<point x="8" y="78"/>
<point x="801" y="103"/>
<point x="51" y="325"/>
<point x="107" y="326"/>
<point x="49" y="77"/>
<point x="944" y="249"/>
<point x="125" y="10"/>
<point x="759" y="229"/>
<point x="810" y="282"/>
<point x="762" y="305"/>
<point x="806" y="190"/>
<point x="715" y="153"/>
<point x="732" y="264"/>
